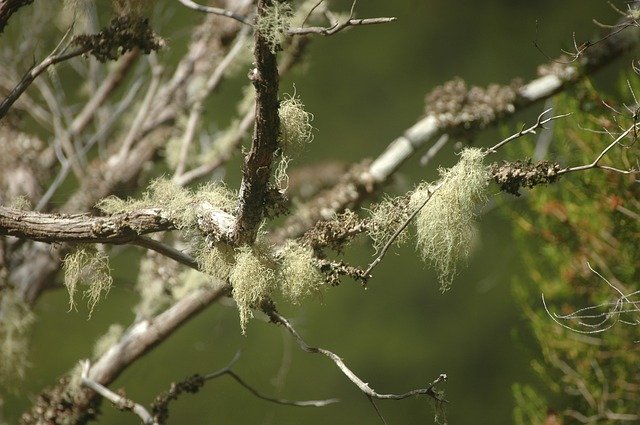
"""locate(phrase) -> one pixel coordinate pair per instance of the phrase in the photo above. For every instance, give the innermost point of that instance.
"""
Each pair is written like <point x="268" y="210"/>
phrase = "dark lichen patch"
<point x="511" y="176"/>
<point x="123" y="34"/>
<point x="454" y="104"/>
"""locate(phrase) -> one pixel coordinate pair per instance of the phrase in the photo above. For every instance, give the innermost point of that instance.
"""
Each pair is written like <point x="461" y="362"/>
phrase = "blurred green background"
<point x="364" y="87"/>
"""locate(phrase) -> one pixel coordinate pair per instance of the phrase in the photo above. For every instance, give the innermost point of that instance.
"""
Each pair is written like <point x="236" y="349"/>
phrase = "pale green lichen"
<point x="386" y="217"/>
<point x="280" y="176"/>
<point x="20" y="203"/>
<point x="74" y="384"/>
<point x="152" y="283"/>
<point x="274" y="23"/>
<point x="88" y="267"/>
<point x="181" y="204"/>
<point x="107" y="340"/>
<point x="446" y="224"/>
<point x="216" y="262"/>
<point x="252" y="279"/>
<point x="295" y="125"/>
<point x="16" y="320"/>
<point x="299" y="277"/>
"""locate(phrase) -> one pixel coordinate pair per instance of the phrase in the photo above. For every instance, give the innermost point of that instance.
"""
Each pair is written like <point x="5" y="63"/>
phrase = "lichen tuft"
<point x="446" y="224"/>
<point x="274" y="23"/>
<point x="107" y="340"/>
<point x="252" y="279"/>
<point x="295" y="125"/>
<point x="91" y="268"/>
<point x="299" y="277"/>
<point x="16" y="320"/>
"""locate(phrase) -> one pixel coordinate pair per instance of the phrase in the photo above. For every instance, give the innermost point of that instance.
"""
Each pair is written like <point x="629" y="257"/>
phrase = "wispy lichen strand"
<point x="446" y="224"/>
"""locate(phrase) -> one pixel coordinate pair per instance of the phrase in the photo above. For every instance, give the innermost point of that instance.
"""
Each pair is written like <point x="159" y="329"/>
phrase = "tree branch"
<point x="363" y="386"/>
<point x="256" y="171"/>
<point x="8" y="8"/>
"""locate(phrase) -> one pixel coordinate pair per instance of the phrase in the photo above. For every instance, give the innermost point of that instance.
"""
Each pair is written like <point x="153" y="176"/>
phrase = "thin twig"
<point x="216" y="11"/>
<point x="363" y="386"/>
<point x="34" y="72"/>
<point x="399" y="230"/>
<point x="540" y="122"/>
<point x="120" y="401"/>
<point x="303" y="403"/>
<point x="339" y="27"/>
<point x="595" y="163"/>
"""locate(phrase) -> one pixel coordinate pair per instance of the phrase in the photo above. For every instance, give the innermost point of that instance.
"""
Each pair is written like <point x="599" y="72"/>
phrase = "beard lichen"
<point x="299" y="277"/>
<point x="91" y="268"/>
<point x="252" y="278"/>
<point x="274" y="23"/>
<point x="182" y="205"/>
<point x="446" y="224"/>
<point x="16" y="320"/>
<point x="105" y="342"/>
<point x="386" y="218"/>
<point x="295" y="125"/>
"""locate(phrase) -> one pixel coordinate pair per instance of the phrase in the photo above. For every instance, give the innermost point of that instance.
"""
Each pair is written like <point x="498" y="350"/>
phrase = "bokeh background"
<point x="365" y="87"/>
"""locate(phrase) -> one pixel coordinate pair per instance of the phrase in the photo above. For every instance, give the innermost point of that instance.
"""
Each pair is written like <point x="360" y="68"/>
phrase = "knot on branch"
<point x="511" y="176"/>
<point x="455" y="105"/>
<point x="123" y="34"/>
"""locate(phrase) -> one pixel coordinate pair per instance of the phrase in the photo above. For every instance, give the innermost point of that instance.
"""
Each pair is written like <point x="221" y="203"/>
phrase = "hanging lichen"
<point x="88" y="267"/>
<point x="446" y="224"/>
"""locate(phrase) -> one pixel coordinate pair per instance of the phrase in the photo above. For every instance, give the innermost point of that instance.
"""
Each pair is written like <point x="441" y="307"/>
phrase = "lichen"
<point x="299" y="277"/>
<point x="182" y="205"/>
<point x="107" y="340"/>
<point x="386" y="218"/>
<point x="454" y="104"/>
<point x="252" y="279"/>
<point x="87" y="267"/>
<point x="446" y="224"/>
<point x="16" y="320"/>
<point x="274" y="23"/>
<point x="295" y="125"/>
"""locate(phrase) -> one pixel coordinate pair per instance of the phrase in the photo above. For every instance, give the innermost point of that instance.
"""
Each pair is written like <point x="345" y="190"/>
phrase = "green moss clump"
<point x="252" y="279"/>
<point x="91" y="268"/>
<point x="274" y="23"/>
<point x="16" y="320"/>
<point x="446" y="224"/>
<point x="295" y="125"/>
<point x="299" y="276"/>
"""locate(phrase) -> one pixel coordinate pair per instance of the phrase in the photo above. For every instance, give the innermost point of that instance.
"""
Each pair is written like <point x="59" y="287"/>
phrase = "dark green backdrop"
<point x="365" y="87"/>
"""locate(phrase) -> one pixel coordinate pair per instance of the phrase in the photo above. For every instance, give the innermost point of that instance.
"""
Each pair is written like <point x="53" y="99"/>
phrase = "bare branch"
<point x="339" y="26"/>
<point x="256" y="170"/>
<point x="216" y="11"/>
<point x="34" y="72"/>
<point x="595" y="163"/>
<point x="531" y="130"/>
<point x="363" y="386"/>
<point x="120" y="401"/>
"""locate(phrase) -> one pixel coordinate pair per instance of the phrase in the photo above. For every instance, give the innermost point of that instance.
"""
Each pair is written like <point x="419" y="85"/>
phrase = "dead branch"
<point x="8" y="8"/>
<point x="216" y="11"/>
<point x="363" y="386"/>
<point x="256" y="170"/>
<point x="118" y="400"/>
